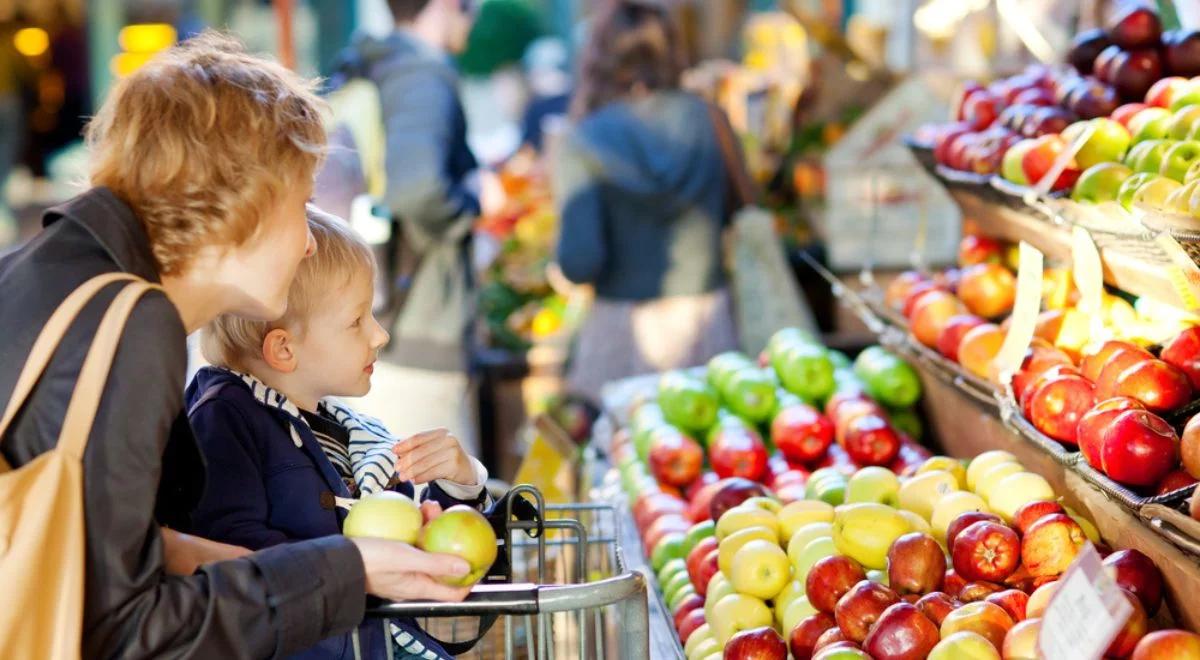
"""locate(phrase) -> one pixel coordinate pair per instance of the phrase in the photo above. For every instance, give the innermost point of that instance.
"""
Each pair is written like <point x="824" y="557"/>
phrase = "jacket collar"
<point x="113" y="224"/>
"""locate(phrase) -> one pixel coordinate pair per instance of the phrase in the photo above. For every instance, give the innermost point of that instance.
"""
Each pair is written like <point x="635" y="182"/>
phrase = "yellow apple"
<point x="729" y="545"/>
<point x="982" y="462"/>
<point x="742" y="517"/>
<point x="766" y="503"/>
<point x="800" y="513"/>
<point x="949" y="507"/>
<point x="873" y="484"/>
<point x="793" y="590"/>
<point x="918" y="523"/>
<point x="796" y="611"/>
<point x="698" y="635"/>
<point x="920" y="492"/>
<point x="815" y="551"/>
<point x="994" y="475"/>
<point x="964" y="645"/>
<point x="705" y="649"/>
<point x="760" y="569"/>
<point x="738" y="612"/>
<point x="864" y="532"/>
<point x="1017" y="490"/>
<point x="951" y="465"/>
<point x="719" y="586"/>
<point x="385" y="515"/>
<point x="1089" y="529"/>
<point x="806" y="534"/>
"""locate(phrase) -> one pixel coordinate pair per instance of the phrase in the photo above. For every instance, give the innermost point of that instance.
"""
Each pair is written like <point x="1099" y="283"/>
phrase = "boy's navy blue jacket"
<point x="263" y="490"/>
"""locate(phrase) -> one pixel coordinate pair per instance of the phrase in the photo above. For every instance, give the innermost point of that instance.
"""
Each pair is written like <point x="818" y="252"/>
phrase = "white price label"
<point x="1024" y="314"/>
<point x="1088" y="273"/>
<point x="1086" y="612"/>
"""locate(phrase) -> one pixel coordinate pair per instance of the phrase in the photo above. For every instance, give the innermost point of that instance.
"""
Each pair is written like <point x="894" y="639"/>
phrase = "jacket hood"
<point x="653" y="146"/>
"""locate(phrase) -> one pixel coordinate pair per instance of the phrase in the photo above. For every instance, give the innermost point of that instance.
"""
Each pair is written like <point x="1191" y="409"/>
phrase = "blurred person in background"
<point x="546" y="65"/>
<point x="644" y="196"/>
<point x="435" y="190"/>
<point x="12" y="124"/>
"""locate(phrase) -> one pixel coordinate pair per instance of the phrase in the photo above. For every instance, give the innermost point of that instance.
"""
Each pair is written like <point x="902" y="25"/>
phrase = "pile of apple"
<point x="954" y="561"/>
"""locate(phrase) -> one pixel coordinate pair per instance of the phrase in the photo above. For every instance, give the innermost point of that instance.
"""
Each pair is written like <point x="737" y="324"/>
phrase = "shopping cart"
<point x="567" y="591"/>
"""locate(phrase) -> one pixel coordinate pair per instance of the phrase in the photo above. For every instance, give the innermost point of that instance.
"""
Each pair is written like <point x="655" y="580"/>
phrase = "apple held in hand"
<point x="462" y="531"/>
<point x="386" y="515"/>
<point x="761" y="643"/>
<point x="1138" y="448"/>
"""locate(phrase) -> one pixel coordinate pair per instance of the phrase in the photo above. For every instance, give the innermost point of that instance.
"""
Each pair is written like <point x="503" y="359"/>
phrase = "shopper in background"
<point x="435" y="190"/>
<point x="643" y="196"/>
<point x="546" y="71"/>
<point x="201" y="163"/>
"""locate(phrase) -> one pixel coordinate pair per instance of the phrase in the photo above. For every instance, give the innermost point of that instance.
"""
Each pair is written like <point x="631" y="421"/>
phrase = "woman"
<point x="201" y="163"/>
<point x="643" y="196"/>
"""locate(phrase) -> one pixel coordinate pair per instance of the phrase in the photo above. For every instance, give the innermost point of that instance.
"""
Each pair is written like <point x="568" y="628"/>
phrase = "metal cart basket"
<point x="571" y="594"/>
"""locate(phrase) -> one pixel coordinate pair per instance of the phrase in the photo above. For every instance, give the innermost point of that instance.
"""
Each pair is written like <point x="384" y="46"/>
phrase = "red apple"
<point x="1182" y="52"/>
<point x="915" y="564"/>
<point x="1168" y="645"/>
<point x="1090" y="431"/>
<point x="963" y="521"/>
<point x="732" y="492"/>
<point x="675" y="459"/>
<point x="1042" y="156"/>
<point x="1163" y="92"/>
<point x="936" y="605"/>
<point x="976" y="591"/>
<point x="802" y="433"/>
<point x="1175" y="480"/>
<point x="756" y="644"/>
<point x="802" y="640"/>
<point x="1137" y="574"/>
<point x="871" y="440"/>
<point x="1094" y="363"/>
<point x="665" y="524"/>
<point x="1158" y="385"/>
<point x="738" y="451"/>
<point x="952" y="334"/>
<point x="981" y="109"/>
<point x="1183" y="352"/>
<point x="900" y="286"/>
<point x="829" y="579"/>
<point x="974" y="249"/>
<point x="983" y="618"/>
<point x="861" y="607"/>
<point x="1135" y="25"/>
<point x="931" y="313"/>
<point x="1106" y="382"/>
<point x="902" y="633"/>
<point x="986" y="551"/>
<point x="1056" y="406"/>
<point x="702" y="563"/>
<point x="915" y="296"/>
<point x="953" y="583"/>
<point x="1032" y="512"/>
<point x="988" y="289"/>
<point x="1047" y="375"/>
<point x="1189" y="446"/>
<point x="693" y="489"/>
<point x="833" y="636"/>
<point x="1051" y="544"/>
<point x="1013" y="601"/>
<point x="698" y="503"/>
<point x="1132" y="632"/>
<point x="688" y="604"/>
<point x="1039" y="357"/>
<point x="690" y="622"/>
<point x="1134" y="74"/>
<point x="1139" y="448"/>
<point x="1123" y="114"/>
<point x="652" y="506"/>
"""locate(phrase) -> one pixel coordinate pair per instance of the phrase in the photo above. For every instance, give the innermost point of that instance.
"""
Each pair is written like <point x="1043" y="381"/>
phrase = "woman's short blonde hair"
<point x="342" y="258"/>
<point x="203" y="141"/>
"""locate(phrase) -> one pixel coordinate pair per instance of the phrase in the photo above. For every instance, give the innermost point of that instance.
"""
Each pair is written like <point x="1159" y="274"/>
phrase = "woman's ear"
<point x="279" y="351"/>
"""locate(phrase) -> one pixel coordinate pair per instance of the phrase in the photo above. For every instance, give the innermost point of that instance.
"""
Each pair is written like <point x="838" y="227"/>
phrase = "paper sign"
<point x="1086" y="612"/>
<point x="1089" y="277"/>
<point x="1024" y="315"/>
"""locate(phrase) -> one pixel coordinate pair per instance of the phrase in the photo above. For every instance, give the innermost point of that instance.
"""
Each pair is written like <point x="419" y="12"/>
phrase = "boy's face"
<point x="335" y="353"/>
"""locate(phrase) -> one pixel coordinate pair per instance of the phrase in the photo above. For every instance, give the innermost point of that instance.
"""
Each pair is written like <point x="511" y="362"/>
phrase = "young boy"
<point x="286" y="461"/>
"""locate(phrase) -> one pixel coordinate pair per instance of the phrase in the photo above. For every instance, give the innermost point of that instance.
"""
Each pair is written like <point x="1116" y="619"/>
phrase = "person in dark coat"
<point x="201" y="163"/>
<point x="644" y="196"/>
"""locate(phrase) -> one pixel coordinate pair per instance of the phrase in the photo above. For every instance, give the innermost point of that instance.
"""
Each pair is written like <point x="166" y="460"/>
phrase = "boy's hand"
<point x="435" y="454"/>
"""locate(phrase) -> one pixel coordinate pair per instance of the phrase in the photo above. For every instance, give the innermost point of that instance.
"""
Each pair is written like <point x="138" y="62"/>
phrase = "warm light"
<point x="31" y="42"/>
<point x="146" y="38"/>
<point x="126" y="63"/>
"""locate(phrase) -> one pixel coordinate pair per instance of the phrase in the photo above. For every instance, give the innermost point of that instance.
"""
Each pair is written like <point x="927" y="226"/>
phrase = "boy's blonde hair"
<point x="203" y="141"/>
<point x="341" y="258"/>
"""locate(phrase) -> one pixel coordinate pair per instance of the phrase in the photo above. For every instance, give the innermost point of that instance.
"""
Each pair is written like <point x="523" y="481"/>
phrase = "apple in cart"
<point x="462" y="531"/>
<point x="1189" y="446"/>
<point x="987" y="289"/>
<point x="1137" y="574"/>
<point x="1095" y="361"/>
<point x="1175" y="480"/>
<point x="1100" y="183"/>
<point x="952" y="334"/>
<point x="931" y="313"/>
<point x="386" y="515"/>
<point x="979" y="348"/>
<point x="1138" y="448"/>
<point x="1115" y="364"/>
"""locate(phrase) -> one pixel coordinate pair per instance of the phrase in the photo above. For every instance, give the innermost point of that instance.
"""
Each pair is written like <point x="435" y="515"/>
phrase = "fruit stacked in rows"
<point x="954" y="561"/>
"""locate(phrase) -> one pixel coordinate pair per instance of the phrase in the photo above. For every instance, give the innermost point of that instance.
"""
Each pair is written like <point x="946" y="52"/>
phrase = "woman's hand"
<point x="435" y="454"/>
<point x="184" y="553"/>
<point x="398" y="571"/>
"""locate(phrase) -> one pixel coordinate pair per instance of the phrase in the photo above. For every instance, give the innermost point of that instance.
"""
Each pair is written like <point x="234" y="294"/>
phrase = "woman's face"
<point x="261" y="270"/>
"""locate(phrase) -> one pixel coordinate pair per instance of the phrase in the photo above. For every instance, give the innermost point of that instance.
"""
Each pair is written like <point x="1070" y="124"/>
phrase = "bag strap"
<point x="745" y="191"/>
<point x="81" y="412"/>
<point x="48" y="340"/>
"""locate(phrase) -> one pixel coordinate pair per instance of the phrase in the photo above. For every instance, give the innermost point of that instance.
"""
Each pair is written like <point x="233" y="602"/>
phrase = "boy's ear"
<point x="278" y="351"/>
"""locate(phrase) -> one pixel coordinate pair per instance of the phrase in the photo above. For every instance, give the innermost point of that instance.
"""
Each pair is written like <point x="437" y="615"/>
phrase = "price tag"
<point x="1184" y="275"/>
<point x="1086" y="612"/>
<point x="1024" y="315"/>
<point x="1089" y="277"/>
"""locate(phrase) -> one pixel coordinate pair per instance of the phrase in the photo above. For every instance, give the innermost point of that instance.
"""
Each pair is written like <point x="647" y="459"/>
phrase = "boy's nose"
<point x="381" y="337"/>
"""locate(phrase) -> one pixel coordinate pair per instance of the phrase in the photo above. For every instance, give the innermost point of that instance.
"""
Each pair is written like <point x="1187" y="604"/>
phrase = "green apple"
<point x="815" y="551"/>
<point x="797" y="514"/>
<point x="791" y="591"/>
<point x="873" y="484"/>
<point x="1149" y="124"/>
<point x="673" y="585"/>
<point x="742" y="517"/>
<point x="750" y="393"/>
<point x="671" y="569"/>
<point x="1108" y="143"/>
<point x="462" y="531"/>
<point x="729" y="546"/>
<point x="864" y="532"/>
<point x="1130" y="186"/>
<point x="737" y="612"/>
<point x="698" y="635"/>
<point x="669" y="547"/>
<point x="1186" y="95"/>
<point x="807" y="533"/>
<point x="1100" y="183"/>
<point x="717" y="589"/>
<point x="386" y="515"/>
<point x="805" y="370"/>
<point x="1179" y="158"/>
<point x="687" y="402"/>
<point x="705" y="649"/>
<point x="677" y="598"/>
<point x="1154" y="193"/>
<point x="1183" y="122"/>
<point x="1150" y="159"/>
<point x="697" y="533"/>
<point x="1010" y="165"/>
<point x="760" y="569"/>
<point x="795" y="612"/>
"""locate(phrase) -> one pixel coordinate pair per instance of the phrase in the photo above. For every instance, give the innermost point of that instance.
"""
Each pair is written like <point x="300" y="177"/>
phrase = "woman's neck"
<point x="197" y="302"/>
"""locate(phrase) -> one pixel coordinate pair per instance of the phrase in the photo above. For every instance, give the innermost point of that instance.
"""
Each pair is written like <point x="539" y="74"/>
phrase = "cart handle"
<point x="520" y="598"/>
